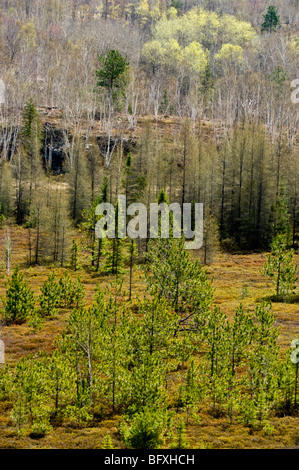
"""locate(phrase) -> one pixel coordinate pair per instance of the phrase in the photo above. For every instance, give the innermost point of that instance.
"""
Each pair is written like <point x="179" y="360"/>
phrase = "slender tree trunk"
<point x="131" y="276"/>
<point x="37" y="237"/>
<point x="30" y="246"/>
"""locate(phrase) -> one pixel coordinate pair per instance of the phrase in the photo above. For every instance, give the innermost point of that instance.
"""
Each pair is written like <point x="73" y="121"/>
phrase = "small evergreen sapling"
<point x="35" y="320"/>
<point x="19" y="300"/>
<point x="146" y="430"/>
<point x="280" y="267"/>
<point x="181" y="441"/>
<point x="66" y="291"/>
<point x="50" y="297"/>
<point x="107" y="442"/>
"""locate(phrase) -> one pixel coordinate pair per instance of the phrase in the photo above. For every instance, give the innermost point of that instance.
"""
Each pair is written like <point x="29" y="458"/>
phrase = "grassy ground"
<point x="236" y="279"/>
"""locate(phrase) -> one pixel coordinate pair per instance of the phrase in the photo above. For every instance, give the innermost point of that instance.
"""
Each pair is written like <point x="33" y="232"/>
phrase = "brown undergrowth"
<point x="236" y="279"/>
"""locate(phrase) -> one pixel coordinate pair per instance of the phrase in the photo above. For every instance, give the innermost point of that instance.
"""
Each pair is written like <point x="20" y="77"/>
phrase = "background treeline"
<point x="215" y="62"/>
<point x="168" y="101"/>
<point x="221" y="83"/>
<point x="247" y="183"/>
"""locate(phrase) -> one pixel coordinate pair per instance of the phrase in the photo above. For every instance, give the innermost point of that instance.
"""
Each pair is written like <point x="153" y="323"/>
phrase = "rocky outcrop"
<point x="54" y="148"/>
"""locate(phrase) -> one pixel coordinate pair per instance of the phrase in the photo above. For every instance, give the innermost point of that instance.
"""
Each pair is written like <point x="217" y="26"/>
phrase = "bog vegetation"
<point x="160" y="101"/>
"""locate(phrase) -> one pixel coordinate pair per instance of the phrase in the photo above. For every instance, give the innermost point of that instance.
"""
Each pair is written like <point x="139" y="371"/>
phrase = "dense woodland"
<point x="203" y="67"/>
<point x="161" y="101"/>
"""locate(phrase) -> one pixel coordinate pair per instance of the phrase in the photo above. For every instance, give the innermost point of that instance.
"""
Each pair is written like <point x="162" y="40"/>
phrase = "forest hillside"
<point x="135" y="342"/>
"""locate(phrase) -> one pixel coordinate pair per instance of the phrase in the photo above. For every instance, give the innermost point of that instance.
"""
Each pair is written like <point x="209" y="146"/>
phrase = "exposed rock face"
<point x="8" y="142"/>
<point x="54" y="148"/>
